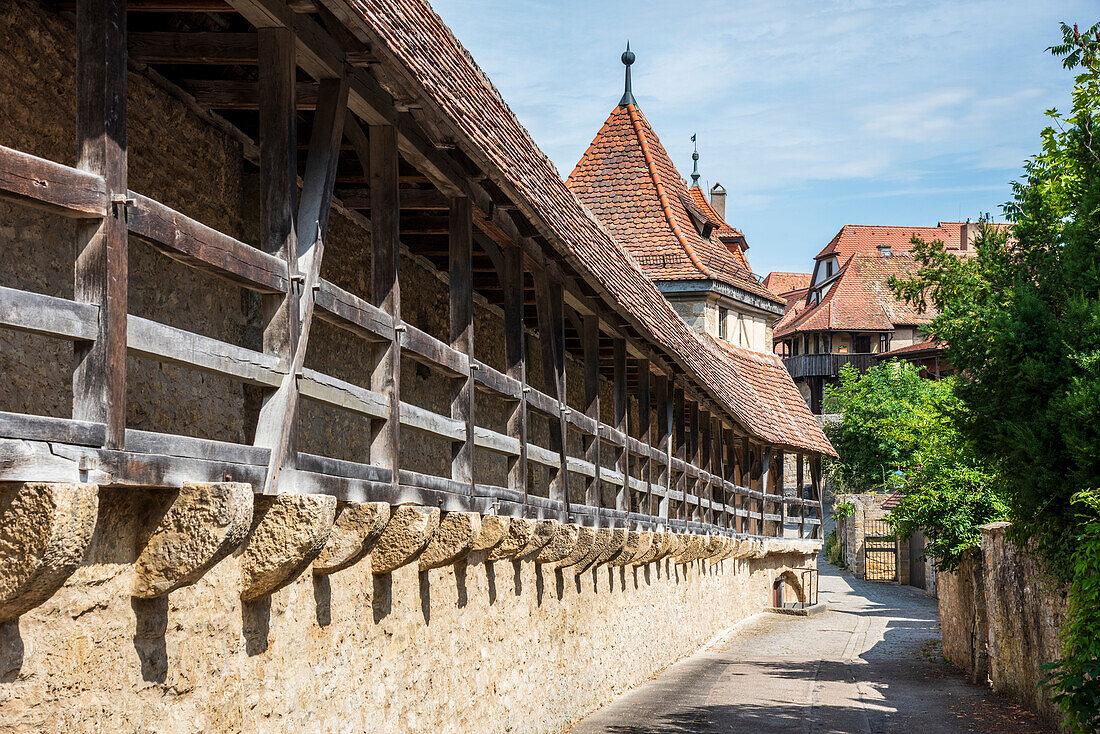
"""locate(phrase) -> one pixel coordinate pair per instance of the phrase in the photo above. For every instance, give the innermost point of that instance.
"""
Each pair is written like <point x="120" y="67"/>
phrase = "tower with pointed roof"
<point x="697" y="260"/>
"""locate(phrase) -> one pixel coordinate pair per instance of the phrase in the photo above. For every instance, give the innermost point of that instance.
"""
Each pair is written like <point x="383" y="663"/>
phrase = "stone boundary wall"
<point x="213" y="610"/>
<point x="1000" y="617"/>
<point x="851" y="530"/>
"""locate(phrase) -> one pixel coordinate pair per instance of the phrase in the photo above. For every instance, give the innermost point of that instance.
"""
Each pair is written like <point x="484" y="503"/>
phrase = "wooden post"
<point x="681" y="446"/>
<point x="279" y="413"/>
<point x="101" y="271"/>
<point x="739" y="478"/>
<point x="548" y="296"/>
<point x="664" y="441"/>
<point x="815" y="485"/>
<point x="590" y="338"/>
<point x="511" y="280"/>
<point x="645" y="432"/>
<point x="385" y="447"/>
<point x="780" y="491"/>
<point x="622" y="423"/>
<point x="800" y="478"/>
<point x="694" y="454"/>
<point x="766" y="477"/>
<point x="278" y="197"/>
<point x="462" y="334"/>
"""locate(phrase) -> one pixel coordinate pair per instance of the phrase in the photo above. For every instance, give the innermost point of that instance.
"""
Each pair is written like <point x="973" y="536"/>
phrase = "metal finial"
<point x="627" y="59"/>
<point x="695" y="158"/>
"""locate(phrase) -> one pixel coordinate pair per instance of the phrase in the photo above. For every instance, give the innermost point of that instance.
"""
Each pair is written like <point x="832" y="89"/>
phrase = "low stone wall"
<point x="1000" y="617"/>
<point x="280" y="618"/>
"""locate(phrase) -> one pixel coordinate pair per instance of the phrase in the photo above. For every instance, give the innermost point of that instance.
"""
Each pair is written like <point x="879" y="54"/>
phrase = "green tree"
<point x="1021" y="322"/>
<point x="899" y="431"/>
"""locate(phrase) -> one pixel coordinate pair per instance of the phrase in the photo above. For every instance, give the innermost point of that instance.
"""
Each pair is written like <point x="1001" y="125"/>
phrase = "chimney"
<point x="967" y="232"/>
<point x="718" y="200"/>
<point x="884" y="249"/>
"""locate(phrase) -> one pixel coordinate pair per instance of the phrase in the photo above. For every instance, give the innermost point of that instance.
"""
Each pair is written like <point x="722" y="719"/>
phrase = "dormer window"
<point x="829" y="269"/>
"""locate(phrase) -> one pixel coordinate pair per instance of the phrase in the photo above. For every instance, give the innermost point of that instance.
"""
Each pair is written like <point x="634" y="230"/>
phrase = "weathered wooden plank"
<point x="185" y="240"/>
<point x="101" y="273"/>
<point x="497" y="442"/>
<point x="545" y="457"/>
<point x="35" y="313"/>
<point x="590" y="338"/>
<point x="349" y="311"/>
<point x="219" y="94"/>
<point x="170" y="345"/>
<point x="645" y="433"/>
<point x="425" y="420"/>
<point x="461" y="271"/>
<point x="428" y="350"/>
<point x="332" y="391"/>
<point x="621" y="412"/>
<point x="43" y="428"/>
<point x="340" y="468"/>
<point x="551" y="318"/>
<point x="543" y="403"/>
<point x="410" y="199"/>
<point x="167" y="444"/>
<point x="195" y="48"/>
<point x="494" y="382"/>
<point x="43" y="184"/>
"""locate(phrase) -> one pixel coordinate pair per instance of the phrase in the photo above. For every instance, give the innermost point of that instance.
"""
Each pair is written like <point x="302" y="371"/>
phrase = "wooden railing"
<point x="826" y="365"/>
<point x="699" y="473"/>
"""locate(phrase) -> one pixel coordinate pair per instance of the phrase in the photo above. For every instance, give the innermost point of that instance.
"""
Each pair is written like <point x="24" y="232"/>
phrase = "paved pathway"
<point x="869" y="664"/>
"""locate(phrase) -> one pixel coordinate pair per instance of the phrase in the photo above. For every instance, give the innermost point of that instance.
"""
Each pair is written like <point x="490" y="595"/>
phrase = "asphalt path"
<point x="872" y="663"/>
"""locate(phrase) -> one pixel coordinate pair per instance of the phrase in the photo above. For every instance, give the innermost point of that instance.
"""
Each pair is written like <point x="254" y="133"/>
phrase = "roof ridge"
<point x="666" y="207"/>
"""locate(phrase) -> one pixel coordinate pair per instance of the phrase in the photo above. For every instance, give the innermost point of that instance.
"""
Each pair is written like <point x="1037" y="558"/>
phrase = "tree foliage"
<point x="1021" y="322"/>
<point x="899" y="432"/>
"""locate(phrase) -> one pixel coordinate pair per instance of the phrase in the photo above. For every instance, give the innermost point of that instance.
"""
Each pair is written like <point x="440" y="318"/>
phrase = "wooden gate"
<point x="880" y="551"/>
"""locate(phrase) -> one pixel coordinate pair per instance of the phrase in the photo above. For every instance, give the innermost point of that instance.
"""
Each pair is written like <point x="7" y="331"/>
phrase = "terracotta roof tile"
<point x="782" y="284"/>
<point x="409" y="35"/>
<point x="928" y="345"/>
<point x="853" y="238"/>
<point x="628" y="181"/>
<point x="859" y="299"/>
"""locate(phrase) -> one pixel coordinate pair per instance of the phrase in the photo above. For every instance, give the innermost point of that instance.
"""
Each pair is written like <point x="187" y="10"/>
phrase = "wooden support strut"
<point x="515" y="357"/>
<point x="645" y="433"/>
<point x="313" y="213"/>
<point x="622" y="423"/>
<point x="590" y="337"/>
<point x="462" y="335"/>
<point x="664" y="442"/>
<point x="99" y="377"/>
<point x="548" y="295"/>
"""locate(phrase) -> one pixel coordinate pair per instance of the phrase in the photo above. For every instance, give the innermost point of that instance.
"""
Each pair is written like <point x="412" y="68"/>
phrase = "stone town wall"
<point x="472" y="646"/>
<point x="1000" y="616"/>
<point x="851" y="530"/>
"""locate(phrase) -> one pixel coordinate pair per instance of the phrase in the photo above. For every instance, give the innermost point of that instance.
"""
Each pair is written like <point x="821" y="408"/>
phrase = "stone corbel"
<point x="205" y="523"/>
<point x="631" y="549"/>
<point x="519" y="535"/>
<point x="494" y="528"/>
<point x="540" y="538"/>
<point x="561" y="545"/>
<point x="453" y="541"/>
<point x="406" y="536"/>
<point x="45" y="529"/>
<point x="586" y="538"/>
<point x="358" y="527"/>
<point x="658" y="544"/>
<point x="288" y="532"/>
<point x="691" y="548"/>
<point x="729" y="547"/>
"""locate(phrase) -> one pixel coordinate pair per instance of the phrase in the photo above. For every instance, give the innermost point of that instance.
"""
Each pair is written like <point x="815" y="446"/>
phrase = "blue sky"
<point x="812" y="114"/>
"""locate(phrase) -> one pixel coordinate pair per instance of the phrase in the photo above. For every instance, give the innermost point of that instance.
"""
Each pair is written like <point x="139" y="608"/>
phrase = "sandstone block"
<point x="406" y="536"/>
<point x="630" y="549"/>
<point x="540" y="537"/>
<point x="453" y="541"/>
<point x="658" y="545"/>
<point x="493" y="530"/>
<point x="44" y="532"/>
<point x="205" y="523"/>
<point x="519" y="535"/>
<point x="561" y="545"/>
<point x="358" y="527"/>
<point x="288" y="532"/>
<point x="586" y="538"/>
<point x="603" y="539"/>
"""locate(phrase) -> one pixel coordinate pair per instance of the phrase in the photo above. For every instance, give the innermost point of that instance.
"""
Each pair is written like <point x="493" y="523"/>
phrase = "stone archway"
<point x="787" y="588"/>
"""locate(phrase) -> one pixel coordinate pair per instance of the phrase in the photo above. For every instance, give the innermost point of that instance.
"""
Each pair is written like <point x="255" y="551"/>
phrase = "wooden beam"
<point x="548" y="293"/>
<point x="219" y="94"/>
<point x="43" y="184"/>
<point x="99" y="379"/>
<point x="590" y="338"/>
<point x="190" y="242"/>
<point x="622" y="422"/>
<point x="645" y="431"/>
<point x="664" y="441"/>
<point x="411" y="199"/>
<point x="195" y="48"/>
<point x="515" y="358"/>
<point x="385" y="449"/>
<point x="460" y="263"/>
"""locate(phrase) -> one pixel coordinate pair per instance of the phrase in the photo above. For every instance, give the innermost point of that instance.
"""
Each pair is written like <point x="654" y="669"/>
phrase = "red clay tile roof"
<point x="853" y="238"/>
<point x="628" y="181"/>
<point x="860" y="299"/>
<point x="731" y="237"/>
<point x="928" y="345"/>
<point x="408" y="36"/>
<point x="782" y="284"/>
<point x="773" y="385"/>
